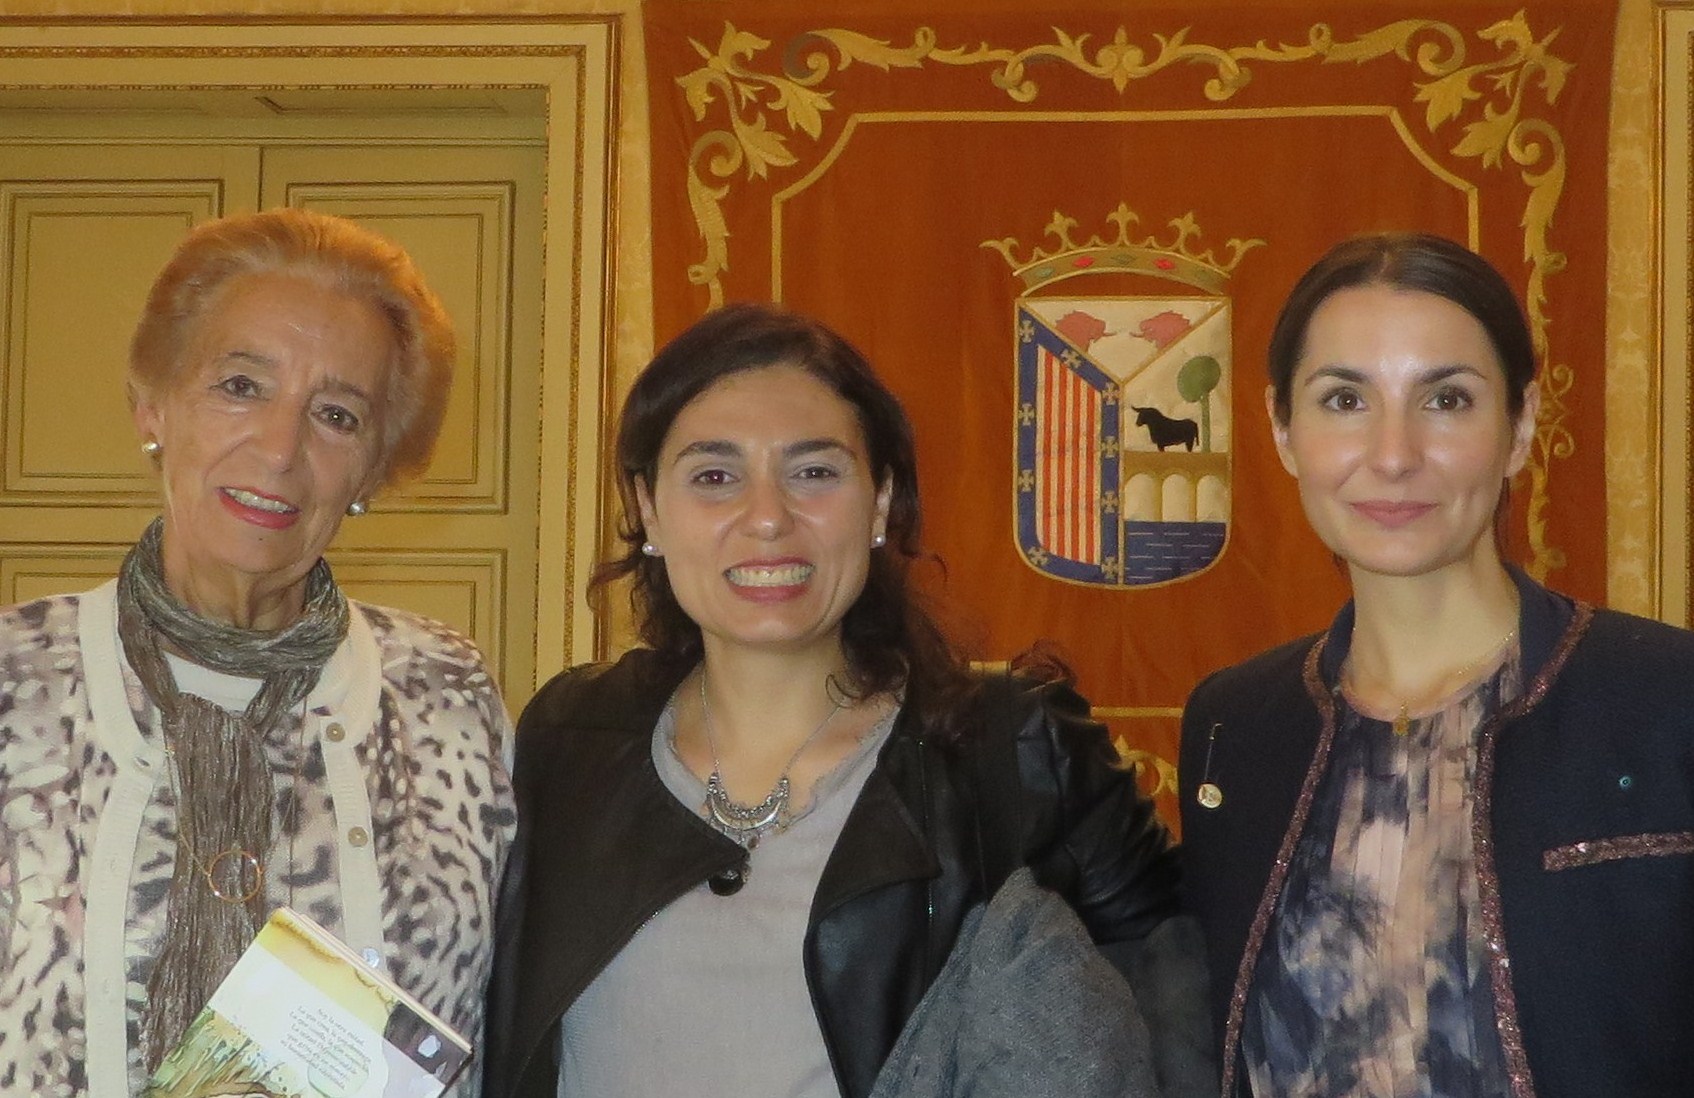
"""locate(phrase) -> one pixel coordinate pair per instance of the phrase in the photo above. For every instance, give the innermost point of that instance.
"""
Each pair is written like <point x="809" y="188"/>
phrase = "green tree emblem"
<point x="1195" y="381"/>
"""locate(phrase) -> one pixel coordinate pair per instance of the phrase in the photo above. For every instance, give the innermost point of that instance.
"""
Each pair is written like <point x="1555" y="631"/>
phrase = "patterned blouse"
<point x="1374" y="977"/>
<point x="394" y="837"/>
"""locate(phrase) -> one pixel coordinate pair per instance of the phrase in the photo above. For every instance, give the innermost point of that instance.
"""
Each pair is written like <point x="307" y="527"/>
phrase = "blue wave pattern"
<point x="1159" y="551"/>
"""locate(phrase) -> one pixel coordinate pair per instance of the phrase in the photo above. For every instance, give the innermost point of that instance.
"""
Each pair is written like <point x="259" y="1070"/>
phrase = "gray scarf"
<point x="224" y="786"/>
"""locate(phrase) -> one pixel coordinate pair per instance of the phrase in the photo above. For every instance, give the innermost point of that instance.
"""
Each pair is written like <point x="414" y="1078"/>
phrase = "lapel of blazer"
<point x="1289" y="727"/>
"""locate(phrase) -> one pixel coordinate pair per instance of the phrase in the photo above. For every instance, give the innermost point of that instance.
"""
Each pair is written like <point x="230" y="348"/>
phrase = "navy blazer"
<point x="1583" y="839"/>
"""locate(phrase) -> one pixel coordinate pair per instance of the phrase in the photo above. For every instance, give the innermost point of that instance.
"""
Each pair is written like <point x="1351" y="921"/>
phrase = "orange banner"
<point x="1063" y="236"/>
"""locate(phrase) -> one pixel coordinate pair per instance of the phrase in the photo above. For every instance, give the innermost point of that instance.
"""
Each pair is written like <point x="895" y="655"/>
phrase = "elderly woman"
<point x="219" y="731"/>
<point x="1447" y="846"/>
<point x="749" y="848"/>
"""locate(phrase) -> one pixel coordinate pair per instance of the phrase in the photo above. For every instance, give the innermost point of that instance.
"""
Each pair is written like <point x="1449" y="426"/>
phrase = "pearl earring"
<point x="878" y="541"/>
<point x="649" y="548"/>
<point x="151" y="447"/>
<point x="357" y="508"/>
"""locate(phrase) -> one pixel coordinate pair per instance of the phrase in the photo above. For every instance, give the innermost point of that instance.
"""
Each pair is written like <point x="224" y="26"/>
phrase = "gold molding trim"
<point x="1635" y="541"/>
<point x="35" y="53"/>
<point x="1686" y="336"/>
<point x="1502" y="127"/>
<point x="1674" y="306"/>
<point x="406" y="12"/>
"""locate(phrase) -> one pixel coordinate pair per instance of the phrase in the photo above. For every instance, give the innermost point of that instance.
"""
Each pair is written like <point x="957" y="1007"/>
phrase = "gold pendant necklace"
<point x="1402" y="722"/>
<point x="235" y="875"/>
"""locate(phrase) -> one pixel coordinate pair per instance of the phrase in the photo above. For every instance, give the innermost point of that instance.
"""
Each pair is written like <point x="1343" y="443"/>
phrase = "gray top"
<point x="710" y="995"/>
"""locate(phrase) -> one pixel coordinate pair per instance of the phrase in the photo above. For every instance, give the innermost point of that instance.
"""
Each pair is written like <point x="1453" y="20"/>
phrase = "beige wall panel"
<point x="461" y="589"/>
<point x="72" y="305"/>
<point x="460" y="234"/>
<point x="80" y="243"/>
<point x="471" y="218"/>
<point x="85" y="229"/>
<point x="35" y="571"/>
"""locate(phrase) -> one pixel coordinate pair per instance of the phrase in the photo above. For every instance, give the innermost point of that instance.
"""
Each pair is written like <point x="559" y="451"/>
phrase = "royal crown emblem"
<point x="1123" y="421"/>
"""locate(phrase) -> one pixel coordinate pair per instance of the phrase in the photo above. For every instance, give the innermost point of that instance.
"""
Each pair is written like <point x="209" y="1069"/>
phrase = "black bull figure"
<point x="1165" y="431"/>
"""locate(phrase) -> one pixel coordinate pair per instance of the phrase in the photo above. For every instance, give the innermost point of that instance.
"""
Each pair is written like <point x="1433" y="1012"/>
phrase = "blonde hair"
<point x="339" y="255"/>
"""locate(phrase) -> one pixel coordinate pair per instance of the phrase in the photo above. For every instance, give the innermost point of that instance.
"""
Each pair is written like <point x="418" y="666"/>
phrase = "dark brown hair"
<point x="891" y="639"/>
<point x="329" y="251"/>
<point x="1406" y="261"/>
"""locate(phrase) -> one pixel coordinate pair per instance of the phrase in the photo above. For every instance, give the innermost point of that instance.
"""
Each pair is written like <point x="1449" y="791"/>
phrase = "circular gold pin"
<point x="1209" y="795"/>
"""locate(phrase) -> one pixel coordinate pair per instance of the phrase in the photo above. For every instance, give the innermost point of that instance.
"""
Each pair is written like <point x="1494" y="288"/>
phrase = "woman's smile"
<point x="272" y="428"/>
<point x="255" y="507"/>
<point x="1400" y="431"/>
<point x="1392" y="513"/>
<point x="763" y="509"/>
<point x="770" y="580"/>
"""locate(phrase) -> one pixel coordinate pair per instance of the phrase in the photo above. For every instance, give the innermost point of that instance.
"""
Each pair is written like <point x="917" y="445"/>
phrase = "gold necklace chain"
<point x="249" y="868"/>
<point x="1402" y="722"/>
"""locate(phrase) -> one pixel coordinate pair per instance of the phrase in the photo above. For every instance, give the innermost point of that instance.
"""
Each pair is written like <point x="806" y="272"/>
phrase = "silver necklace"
<point x="747" y="823"/>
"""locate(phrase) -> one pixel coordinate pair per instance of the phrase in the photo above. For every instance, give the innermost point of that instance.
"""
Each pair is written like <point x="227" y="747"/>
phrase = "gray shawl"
<point x="1026" y="1005"/>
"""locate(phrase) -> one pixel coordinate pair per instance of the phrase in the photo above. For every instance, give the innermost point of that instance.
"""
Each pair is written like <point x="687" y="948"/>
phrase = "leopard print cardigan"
<point x="394" y="837"/>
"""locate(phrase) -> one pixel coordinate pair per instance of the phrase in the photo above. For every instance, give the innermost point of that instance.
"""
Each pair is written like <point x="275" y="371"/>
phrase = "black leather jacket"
<point x="602" y="846"/>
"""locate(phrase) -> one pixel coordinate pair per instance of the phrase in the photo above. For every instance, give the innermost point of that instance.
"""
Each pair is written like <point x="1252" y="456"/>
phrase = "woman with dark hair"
<point x="748" y="848"/>
<point x="1446" y="847"/>
<point x="220" y="731"/>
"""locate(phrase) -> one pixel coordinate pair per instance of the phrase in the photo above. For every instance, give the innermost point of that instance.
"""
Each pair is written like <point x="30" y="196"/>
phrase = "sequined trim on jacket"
<point x="1505" y="1009"/>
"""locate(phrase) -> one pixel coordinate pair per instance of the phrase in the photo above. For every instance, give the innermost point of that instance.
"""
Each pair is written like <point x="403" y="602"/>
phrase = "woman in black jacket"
<point x="1447" y="847"/>
<point x="746" y="849"/>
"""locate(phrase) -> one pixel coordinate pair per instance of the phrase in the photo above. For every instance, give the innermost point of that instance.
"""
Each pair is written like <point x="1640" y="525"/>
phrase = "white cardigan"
<point x="349" y="688"/>
<point x="404" y="711"/>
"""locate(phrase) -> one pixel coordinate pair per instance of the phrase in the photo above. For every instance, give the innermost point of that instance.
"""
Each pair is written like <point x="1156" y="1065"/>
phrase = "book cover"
<point x="301" y="1016"/>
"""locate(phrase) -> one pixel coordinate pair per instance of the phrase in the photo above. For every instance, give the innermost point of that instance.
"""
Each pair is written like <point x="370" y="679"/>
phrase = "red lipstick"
<point x="259" y="516"/>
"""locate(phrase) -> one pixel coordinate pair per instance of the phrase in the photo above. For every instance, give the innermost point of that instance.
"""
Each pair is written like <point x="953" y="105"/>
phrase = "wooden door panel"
<point x="471" y="218"/>
<point x="391" y="100"/>
<point x="35" y="571"/>
<point x="465" y="590"/>
<point x="84" y="231"/>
